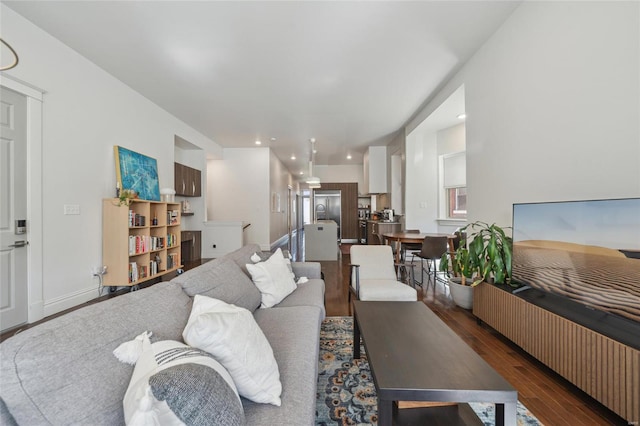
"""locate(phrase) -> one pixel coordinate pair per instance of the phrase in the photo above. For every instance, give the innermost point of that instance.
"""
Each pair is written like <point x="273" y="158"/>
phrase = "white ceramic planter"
<point x="462" y="294"/>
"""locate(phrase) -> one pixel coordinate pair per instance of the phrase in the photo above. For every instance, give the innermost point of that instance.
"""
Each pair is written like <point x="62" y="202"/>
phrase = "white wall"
<point x="425" y="205"/>
<point x="451" y="140"/>
<point x="85" y="112"/>
<point x="397" y="174"/>
<point x="241" y="187"/>
<point x="421" y="192"/>
<point x="238" y="189"/>
<point x="279" y="181"/>
<point x="552" y="103"/>
<point x="345" y="173"/>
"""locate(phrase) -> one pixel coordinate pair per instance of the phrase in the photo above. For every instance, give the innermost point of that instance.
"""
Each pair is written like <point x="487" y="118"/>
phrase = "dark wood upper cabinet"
<point x="187" y="181"/>
<point x="197" y="183"/>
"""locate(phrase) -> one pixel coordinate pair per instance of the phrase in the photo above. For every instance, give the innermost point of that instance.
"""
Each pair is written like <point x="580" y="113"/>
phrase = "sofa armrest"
<point x="310" y="270"/>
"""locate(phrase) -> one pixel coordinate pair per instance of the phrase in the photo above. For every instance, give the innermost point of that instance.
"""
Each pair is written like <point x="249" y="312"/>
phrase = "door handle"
<point x="19" y="244"/>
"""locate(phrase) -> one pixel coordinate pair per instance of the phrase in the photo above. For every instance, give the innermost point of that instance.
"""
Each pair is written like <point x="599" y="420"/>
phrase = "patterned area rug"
<point x="346" y="395"/>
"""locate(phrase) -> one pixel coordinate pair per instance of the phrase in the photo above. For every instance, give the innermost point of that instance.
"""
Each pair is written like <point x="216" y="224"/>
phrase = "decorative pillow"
<point x="233" y="337"/>
<point x="263" y="256"/>
<point x="273" y="278"/>
<point x="221" y="279"/>
<point x="174" y="384"/>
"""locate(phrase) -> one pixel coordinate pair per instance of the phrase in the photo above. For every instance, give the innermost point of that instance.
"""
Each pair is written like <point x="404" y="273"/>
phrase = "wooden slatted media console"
<point x="604" y="368"/>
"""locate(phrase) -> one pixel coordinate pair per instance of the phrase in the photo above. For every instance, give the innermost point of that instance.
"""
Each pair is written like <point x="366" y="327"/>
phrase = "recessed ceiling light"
<point x="315" y="151"/>
<point x="258" y="142"/>
<point x="462" y="116"/>
<point x="293" y="157"/>
<point x="301" y="173"/>
<point x="348" y="156"/>
<point x="273" y="139"/>
<point x="312" y="140"/>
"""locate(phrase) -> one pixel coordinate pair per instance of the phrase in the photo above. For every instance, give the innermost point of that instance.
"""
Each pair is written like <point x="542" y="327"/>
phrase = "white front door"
<point x="13" y="207"/>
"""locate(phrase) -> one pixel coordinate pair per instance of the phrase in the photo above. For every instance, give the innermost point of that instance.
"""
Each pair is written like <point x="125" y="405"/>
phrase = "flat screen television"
<point x="584" y="251"/>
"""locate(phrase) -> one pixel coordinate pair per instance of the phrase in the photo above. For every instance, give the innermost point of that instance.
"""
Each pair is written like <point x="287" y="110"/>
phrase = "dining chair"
<point x="377" y="240"/>
<point x="430" y="253"/>
<point x="410" y="246"/>
<point x="373" y="276"/>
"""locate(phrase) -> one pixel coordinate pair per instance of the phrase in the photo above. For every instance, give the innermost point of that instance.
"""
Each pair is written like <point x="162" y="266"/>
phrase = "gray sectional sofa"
<point x="63" y="372"/>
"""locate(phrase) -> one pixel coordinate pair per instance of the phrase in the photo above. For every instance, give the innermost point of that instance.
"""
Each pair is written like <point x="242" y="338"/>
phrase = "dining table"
<point x="414" y="238"/>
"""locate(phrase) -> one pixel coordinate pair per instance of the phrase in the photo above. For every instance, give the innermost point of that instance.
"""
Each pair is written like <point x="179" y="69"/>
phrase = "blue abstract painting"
<point x="137" y="172"/>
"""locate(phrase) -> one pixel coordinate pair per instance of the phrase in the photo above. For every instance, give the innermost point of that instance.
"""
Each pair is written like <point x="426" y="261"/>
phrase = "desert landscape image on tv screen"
<point x="588" y="251"/>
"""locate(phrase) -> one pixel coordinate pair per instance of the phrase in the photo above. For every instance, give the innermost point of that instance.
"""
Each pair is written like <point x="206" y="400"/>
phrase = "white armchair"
<point x="373" y="275"/>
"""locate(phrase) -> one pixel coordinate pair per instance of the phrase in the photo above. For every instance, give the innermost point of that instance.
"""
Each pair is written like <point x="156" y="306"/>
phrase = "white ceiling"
<point x="350" y="74"/>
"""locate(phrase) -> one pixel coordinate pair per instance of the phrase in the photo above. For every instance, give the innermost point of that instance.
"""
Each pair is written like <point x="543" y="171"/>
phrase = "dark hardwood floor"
<point x="552" y="399"/>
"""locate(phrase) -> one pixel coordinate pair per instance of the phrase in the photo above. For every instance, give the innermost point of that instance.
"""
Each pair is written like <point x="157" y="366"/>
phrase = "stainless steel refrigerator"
<point x="327" y="205"/>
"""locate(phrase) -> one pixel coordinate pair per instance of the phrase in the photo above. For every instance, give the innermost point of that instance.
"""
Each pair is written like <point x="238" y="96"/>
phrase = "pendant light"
<point x="14" y="61"/>
<point x="312" y="181"/>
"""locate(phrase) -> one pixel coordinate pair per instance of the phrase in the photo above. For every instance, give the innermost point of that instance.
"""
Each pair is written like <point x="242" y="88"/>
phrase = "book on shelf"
<point x="173" y="217"/>
<point x="139" y="244"/>
<point x="157" y="243"/>
<point x="172" y="260"/>
<point x="143" y="271"/>
<point x="153" y="267"/>
<point x="172" y="240"/>
<point x="133" y="272"/>
<point x="136" y="219"/>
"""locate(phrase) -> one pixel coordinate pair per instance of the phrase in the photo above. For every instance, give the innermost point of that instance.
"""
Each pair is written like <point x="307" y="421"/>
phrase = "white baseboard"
<point x="36" y="311"/>
<point x="69" y="301"/>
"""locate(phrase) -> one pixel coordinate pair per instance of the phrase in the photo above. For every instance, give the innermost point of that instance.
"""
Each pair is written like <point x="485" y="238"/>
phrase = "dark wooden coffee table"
<point x="414" y="356"/>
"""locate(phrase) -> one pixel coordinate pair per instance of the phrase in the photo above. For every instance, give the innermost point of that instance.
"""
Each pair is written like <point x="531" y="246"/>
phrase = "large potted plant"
<point x="486" y="256"/>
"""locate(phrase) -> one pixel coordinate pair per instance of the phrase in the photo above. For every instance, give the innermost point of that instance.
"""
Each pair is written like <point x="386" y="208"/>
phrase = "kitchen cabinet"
<point x="375" y="170"/>
<point x="191" y="244"/>
<point x="187" y="181"/>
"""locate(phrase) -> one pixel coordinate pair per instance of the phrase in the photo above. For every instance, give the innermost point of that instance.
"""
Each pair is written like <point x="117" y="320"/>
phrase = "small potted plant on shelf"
<point x="485" y="255"/>
<point x="125" y="196"/>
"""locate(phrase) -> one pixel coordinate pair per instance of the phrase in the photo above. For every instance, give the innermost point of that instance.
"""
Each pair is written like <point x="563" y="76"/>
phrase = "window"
<point x="454" y="185"/>
<point x="457" y="202"/>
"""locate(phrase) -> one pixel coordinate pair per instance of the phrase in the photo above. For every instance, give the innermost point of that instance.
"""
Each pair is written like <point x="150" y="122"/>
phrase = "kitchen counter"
<point x="321" y="240"/>
<point x="382" y="221"/>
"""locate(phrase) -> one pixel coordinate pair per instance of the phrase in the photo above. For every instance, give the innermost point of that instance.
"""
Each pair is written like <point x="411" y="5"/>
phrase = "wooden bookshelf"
<point x="140" y="241"/>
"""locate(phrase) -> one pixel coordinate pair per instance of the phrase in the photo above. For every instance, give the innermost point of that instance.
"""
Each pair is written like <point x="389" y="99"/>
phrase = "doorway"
<point x="13" y="210"/>
<point x="31" y="192"/>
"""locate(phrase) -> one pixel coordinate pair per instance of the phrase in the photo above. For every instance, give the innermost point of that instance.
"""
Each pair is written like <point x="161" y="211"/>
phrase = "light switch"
<point x="71" y="209"/>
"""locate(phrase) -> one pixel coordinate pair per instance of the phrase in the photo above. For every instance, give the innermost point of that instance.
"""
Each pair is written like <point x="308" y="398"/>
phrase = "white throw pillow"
<point x="273" y="278"/>
<point x="233" y="337"/>
<point x="174" y="384"/>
